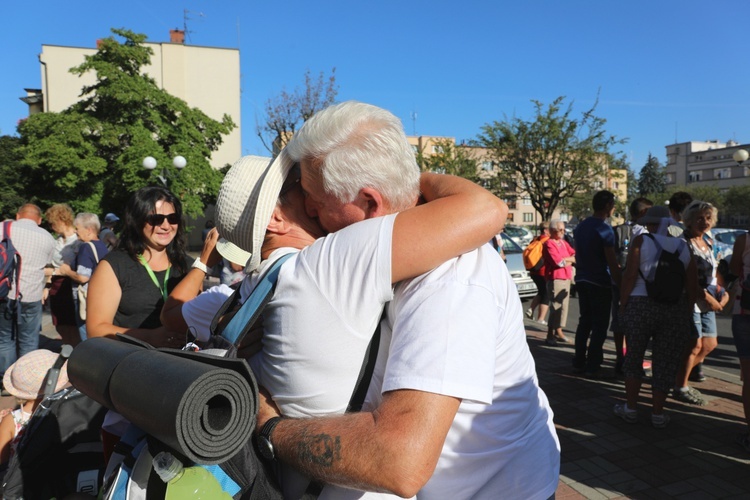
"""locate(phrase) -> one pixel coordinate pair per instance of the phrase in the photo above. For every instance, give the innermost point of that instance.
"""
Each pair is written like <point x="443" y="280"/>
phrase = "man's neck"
<point x="601" y="214"/>
<point x="275" y="242"/>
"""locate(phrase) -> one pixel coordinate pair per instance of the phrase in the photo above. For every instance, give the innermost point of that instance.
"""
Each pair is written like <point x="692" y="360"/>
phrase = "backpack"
<point x="532" y="256"/>
<point x="623" y="235"/>
<point x="59" y="452"/>
<point x="10" y="264"/>
<point x="668" y="278"/>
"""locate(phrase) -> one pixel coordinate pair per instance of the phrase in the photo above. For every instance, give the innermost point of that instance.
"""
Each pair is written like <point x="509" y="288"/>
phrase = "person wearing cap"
<point x="454" y="409"/>
<point x="24" y="379"/>
<point x="644" y="319"/>
<point x="190" y="308"/>
<point x="107" y="234"/>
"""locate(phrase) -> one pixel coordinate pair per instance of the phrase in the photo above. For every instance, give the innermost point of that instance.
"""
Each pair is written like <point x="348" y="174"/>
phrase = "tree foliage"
<point x="11" y="177"/>
<point x="652" y="178"/>
<point x="90" y="155"/>
<point x="553" y="156"/>
<point x="446" y="158"/>
<point x="287" y="111"/>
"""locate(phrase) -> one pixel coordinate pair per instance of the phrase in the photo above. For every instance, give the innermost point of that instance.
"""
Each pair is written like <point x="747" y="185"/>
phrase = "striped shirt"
<point x="36" y="246"/>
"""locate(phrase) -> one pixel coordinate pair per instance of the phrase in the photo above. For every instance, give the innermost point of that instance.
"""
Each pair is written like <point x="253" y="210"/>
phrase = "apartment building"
<point x="707" y="163"/>
<point x="521" y="211"/>
<point x="207" y="78"/>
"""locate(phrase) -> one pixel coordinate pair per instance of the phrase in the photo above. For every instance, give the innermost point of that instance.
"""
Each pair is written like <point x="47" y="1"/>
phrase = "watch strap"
<point x="197" y="264"/>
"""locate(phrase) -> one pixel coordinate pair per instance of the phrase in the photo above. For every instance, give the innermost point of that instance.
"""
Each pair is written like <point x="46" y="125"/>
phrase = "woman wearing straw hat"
<point x="25" y="380"/>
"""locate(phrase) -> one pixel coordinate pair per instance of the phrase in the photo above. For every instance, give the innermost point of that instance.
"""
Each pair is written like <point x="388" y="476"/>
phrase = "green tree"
<point x="736" y="203"/>
<point x="12" y="192"/>
<point x="449" y="159"/>
<point x="287" y="111"/>
<point x="553" y="156"/>
<point x="652" y="178"/>
<point x="90" y="155"/>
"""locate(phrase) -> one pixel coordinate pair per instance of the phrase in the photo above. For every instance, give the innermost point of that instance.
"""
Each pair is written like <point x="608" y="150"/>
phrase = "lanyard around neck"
<point x="163" y="287"/>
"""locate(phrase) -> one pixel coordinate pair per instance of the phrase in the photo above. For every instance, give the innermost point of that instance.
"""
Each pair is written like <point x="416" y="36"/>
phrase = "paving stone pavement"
<point x="695" y="457"/>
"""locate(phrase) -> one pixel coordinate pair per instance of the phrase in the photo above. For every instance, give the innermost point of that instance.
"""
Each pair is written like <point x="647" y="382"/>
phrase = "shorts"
<point x="741" y="334"/>
<point x="705" y="324"/>
<point x="61" y="304"/>
<point x="541" y="286"/>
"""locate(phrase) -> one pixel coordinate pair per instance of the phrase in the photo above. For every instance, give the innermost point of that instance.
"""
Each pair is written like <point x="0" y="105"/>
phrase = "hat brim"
<point x="62" y="381"/>
<point x="232" y="252"/>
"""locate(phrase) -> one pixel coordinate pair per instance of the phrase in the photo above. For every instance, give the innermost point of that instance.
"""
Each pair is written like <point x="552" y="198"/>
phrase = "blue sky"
<point x="665" y="70"/>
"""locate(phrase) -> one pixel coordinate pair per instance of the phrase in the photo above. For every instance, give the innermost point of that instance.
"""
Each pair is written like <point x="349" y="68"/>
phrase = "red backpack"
<point x="10" y="264"/>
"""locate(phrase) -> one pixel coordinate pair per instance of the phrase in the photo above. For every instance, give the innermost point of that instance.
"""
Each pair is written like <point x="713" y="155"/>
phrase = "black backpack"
<point x="668" y="281"/>
<point x="10" y="264"/>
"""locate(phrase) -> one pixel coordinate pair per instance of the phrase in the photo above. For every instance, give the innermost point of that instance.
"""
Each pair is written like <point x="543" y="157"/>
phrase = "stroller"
<point x="60" y="450"/>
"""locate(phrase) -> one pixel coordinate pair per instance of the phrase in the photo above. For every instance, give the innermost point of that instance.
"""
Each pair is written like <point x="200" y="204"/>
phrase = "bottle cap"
<point x="167" y="466"/>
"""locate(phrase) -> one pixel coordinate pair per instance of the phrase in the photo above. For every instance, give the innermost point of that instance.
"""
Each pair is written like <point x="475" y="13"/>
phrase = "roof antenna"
<point x="185" y="18"/>
<point x="414" y="123"/>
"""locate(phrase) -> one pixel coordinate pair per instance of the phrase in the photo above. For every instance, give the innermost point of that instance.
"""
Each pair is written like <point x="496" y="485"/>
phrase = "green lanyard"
<point x="153" y="277"/>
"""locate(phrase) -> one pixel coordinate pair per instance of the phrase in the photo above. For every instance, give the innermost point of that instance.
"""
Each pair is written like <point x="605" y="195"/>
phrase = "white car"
<point x="514" y="262"/>
<point x="519" y="234"/>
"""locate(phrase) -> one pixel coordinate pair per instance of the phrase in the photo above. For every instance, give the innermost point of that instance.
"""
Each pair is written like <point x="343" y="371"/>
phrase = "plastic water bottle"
<point x="187" y="482"/>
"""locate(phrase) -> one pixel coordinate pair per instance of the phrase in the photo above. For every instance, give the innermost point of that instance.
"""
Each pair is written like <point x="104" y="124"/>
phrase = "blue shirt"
<point x="592" y="236"/>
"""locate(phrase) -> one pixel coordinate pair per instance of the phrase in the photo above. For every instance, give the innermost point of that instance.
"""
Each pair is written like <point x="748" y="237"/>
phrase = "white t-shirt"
<point x="199" y="312"/>
<point x="458" y="331"/>
<point x="649" y="258"/>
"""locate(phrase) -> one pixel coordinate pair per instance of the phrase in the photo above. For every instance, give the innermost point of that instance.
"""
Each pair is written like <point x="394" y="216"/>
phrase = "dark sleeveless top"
<point x="141" y="301"/>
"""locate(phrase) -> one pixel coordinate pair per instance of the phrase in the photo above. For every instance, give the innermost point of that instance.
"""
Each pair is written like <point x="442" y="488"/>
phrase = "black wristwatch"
<point x="264" y="439"/>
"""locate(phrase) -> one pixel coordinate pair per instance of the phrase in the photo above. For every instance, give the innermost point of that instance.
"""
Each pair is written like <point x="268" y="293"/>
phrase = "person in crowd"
<point x="62" y="305"/>
<point x="677" y="203"/>
<point x="541" y="299"/>
<point x="624" y="235"/>
<point x="24" y="380"/>
<point x="476" y="421"/>
<point x="699" y="217"/>
<point x="740" y="266"/>
<point x="90" y="252"/>
<point x="646" y="319"/>
<point x="130" y="284"/>
<point x="20" y="323"/>
<point x="559" y="258"/>
<point x="596" y="271"/>
<point x="107" y="234"/>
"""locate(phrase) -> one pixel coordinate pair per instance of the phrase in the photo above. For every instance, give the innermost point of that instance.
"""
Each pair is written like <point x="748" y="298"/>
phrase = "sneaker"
<point x="542" y="322"/>
<point x="625" y="413"/>
<point x="688" y="396"/>
<point x="660" y="421"/>
<point x="529" y="313"/>
<point x="744" y="441"/>
<point x="697" y="376"/>
<point x="562" y="338"/>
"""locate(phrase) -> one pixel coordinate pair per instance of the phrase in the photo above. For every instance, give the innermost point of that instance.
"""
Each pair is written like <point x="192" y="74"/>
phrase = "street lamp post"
<point x="740" y="156"/>
<point x="178" y="162"/>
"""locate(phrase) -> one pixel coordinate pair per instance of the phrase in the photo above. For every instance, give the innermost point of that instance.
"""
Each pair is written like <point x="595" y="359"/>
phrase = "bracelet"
<point x="197" y="264"/>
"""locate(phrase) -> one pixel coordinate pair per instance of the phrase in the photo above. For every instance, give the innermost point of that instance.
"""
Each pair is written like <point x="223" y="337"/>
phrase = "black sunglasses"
<point x="158" y="219"/>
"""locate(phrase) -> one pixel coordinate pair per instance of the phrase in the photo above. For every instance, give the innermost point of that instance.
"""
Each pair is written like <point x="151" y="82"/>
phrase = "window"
<point x="526" y="201"/>
<point x="487" y="165"/>
<point x="616" y="185"/>
<point x="415" y="148"/>
<point x="694" y="177"/>
<point x="598" y="185"/>
<point x="528" y="217"/>
<point x="510" y="217"/>
<point x="723" y="173"/>
<point x="437" y="149"/>
<point x="511" y="203"/>
<point x="564" y="217"/>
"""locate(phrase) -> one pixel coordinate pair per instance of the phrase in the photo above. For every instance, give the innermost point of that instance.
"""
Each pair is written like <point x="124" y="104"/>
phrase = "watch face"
<point x="265" y="447"/>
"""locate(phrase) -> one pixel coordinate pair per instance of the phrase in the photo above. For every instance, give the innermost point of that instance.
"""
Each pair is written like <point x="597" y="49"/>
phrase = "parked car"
<point x="514" y="261"/>
<point x="519" y="234"/>
<point x="723" y="247"/>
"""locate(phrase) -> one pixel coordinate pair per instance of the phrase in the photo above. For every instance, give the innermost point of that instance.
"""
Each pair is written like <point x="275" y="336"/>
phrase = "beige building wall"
<point x="706" y="163"/>
<point x="207" y="78"/>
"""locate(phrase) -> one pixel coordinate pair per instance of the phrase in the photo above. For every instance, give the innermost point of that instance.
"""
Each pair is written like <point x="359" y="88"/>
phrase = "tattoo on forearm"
<point x="320" y="449"/>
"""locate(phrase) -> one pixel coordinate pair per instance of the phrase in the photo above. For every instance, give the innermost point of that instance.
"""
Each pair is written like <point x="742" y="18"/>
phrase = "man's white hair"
<point x="359" y="146"/>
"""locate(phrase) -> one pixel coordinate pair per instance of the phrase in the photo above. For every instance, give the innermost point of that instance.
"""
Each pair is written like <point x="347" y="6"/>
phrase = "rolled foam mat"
<point x="201" y="406"/>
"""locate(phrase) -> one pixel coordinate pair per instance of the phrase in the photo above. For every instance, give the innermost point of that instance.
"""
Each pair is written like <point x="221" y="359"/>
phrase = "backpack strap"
<point x="368" y="367"/>
<point x="658" y="251"/>
<point x="251" y="310"/>
<point x="93" y="249"/>
<point x="6" y="235"/>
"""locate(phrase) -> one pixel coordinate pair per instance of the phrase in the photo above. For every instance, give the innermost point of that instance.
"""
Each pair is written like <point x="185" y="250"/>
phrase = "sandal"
<point x="561" y="338"/>
<point x="689" y="397"/>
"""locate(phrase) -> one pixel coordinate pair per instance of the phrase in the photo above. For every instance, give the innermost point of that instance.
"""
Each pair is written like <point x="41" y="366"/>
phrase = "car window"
<point x="510" y="246"/>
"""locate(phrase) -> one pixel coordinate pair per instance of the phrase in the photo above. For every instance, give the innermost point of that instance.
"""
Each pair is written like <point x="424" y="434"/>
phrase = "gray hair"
<point x="556" y="222"/>
<point x="87" y="220"/>
<point x="696" y="208"/>
<point x="359" y="145"/>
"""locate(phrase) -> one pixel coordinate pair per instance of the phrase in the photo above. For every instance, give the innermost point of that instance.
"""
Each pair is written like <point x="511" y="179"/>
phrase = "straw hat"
<point x="654" y="215"/>
<point x="25" y="378"/>
<point x="246" y="200"/>
<point x="232" y="252"/>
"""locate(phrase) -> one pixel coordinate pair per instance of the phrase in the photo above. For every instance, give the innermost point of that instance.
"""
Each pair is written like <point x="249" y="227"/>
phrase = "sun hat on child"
<point x="24" y="379"/>
<point x="246" y="200"/>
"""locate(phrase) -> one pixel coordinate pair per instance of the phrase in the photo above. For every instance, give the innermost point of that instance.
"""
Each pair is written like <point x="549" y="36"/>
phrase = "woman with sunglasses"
<point x="129" y="287"/>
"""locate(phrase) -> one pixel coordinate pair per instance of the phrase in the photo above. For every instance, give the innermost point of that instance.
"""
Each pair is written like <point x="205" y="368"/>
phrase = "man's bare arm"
<point x="392" y="449"/>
